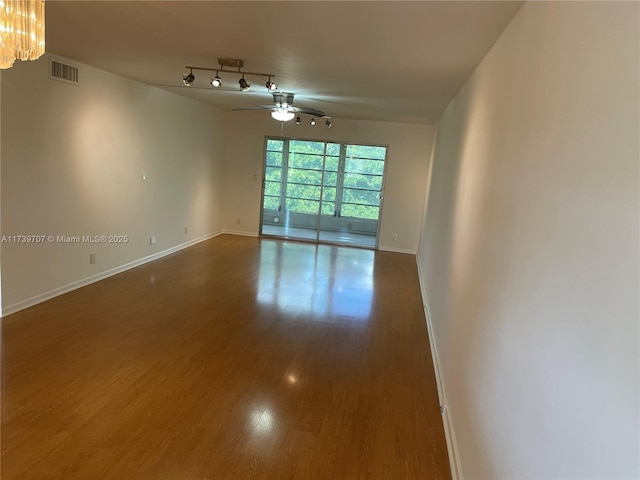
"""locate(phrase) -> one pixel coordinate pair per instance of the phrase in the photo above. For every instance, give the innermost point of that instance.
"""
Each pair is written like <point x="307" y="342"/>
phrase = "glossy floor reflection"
<point x="326" y="236"/>
<point x="236" y="358"/>
<point x="319" y="280"/>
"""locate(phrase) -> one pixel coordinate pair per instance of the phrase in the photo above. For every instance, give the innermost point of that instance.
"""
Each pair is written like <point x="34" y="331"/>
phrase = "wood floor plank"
<point x="236" y="358"/>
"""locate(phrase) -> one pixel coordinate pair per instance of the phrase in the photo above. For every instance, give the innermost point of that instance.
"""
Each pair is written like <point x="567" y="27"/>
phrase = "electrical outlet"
<point x="237" y="221"/>
<point x="186" y="230"/>
<point x="152" y="240"/>
<point x="395" y="236"/>
<point x="92" y="258"/>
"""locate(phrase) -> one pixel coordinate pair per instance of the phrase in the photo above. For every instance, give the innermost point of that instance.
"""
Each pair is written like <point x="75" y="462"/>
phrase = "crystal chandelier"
<point x="21" y="30"/>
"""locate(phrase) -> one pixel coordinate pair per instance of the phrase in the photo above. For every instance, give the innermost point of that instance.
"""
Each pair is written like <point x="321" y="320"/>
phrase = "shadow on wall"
<point x="449" y="229"/>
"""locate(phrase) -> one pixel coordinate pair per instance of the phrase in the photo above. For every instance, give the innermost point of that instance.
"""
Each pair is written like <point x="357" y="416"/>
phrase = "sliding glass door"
<point x="322" y="191"/>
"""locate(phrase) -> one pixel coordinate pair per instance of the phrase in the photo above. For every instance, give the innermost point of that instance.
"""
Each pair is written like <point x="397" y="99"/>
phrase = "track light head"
<point x="272" y="87"/>
<point x="298" y="120"/>
<point x="313" y="121"/>
<point x="188" y="79"/>
<point x="328" y="123"/>
<point x="216" y="81"/>
<point x="244" y="86"/>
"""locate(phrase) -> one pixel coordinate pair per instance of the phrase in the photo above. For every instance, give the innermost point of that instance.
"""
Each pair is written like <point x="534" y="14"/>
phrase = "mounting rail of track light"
<point x="227" y="65"/>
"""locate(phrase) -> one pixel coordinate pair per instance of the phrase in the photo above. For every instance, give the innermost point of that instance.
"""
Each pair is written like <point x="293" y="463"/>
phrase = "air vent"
<point x="64" y="72"/>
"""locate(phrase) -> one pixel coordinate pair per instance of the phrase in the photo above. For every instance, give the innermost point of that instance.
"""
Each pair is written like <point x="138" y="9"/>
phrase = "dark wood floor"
<point x="236" y="358"/>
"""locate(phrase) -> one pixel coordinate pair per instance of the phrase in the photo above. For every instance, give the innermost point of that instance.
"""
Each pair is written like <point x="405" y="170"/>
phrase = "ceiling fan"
<point x="284" y="110"/>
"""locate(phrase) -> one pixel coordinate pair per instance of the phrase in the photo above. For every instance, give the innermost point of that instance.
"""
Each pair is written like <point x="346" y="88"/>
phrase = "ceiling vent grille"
<point x="63" y="72"/>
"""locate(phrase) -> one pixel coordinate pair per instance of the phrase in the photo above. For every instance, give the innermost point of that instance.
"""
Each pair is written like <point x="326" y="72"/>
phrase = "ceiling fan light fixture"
<point x="313" y="121"/>
<point x="216" y="81"/>
<point x="188" y="79"/>
<point x="283" y="115"/>
<point x="328" y="123"/>
<point x="244" y="86"/>
<point x="298" y="120"/>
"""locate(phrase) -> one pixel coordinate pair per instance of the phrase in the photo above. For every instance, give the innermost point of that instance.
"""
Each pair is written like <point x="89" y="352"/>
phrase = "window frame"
<point x="340" y="188"/>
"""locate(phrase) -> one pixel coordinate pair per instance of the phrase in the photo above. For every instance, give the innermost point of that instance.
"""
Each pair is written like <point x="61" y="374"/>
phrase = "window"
<point x="273" y="175"/>
<point x="340" y="180"/>
<point x="363" y="170"/>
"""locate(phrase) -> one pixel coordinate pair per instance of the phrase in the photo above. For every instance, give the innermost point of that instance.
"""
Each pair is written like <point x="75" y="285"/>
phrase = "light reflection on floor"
<point x="262" y="421"/>
<point x="319" y="280"/>
<point x="328" y="236"/>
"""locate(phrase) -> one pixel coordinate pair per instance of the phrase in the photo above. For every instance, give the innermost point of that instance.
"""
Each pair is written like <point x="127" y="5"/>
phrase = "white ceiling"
<point x="393" y="60"/>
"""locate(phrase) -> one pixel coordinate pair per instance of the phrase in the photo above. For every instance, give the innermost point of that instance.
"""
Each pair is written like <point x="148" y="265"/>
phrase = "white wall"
<point x="406" y="174"/>
<point x="529" y="252"/>
<point x="72" y="163"/>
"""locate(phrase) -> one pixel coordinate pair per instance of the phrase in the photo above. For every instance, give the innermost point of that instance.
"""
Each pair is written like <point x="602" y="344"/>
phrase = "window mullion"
<point x="324" y="162"/>
<point x="340" y="179"/>
<point x="285" y="175"/>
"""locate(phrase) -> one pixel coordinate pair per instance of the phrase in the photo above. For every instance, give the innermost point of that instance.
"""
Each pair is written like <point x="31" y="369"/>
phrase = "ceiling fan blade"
<point x="308" y="111"/>
<point x="260" y="107"/>
<point x="284" y="101"/>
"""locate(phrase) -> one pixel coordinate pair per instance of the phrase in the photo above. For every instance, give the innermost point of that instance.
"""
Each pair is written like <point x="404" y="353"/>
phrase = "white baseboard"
<point x="397" y="250"/>
<point x="447" y="421"/>
<point x="239" y="232"/>
<point x="43" y="297"/>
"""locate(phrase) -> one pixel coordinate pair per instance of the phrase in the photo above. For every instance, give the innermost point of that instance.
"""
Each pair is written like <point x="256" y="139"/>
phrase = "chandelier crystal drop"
<point x="21" y="30"/>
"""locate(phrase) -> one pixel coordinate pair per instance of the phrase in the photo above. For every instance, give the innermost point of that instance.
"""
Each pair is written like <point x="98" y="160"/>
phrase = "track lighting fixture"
<point x="272" y="87"/>
<point x="312" y="122"/>
<point x="216" y="81"/>
<point x="244" y="86"/>
<point x="229" y="65"/>
<point x="188" y="79"/>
